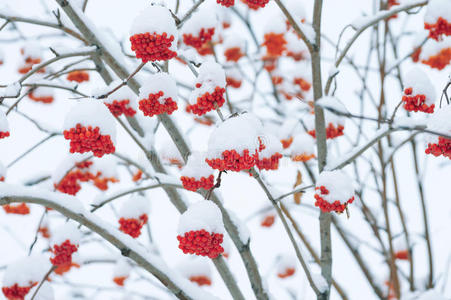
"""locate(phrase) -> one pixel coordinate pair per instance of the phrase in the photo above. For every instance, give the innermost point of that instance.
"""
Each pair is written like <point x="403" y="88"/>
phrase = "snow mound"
<point x="196" y="167"/>
<point x="272" y="146"/>
<point x="4" y="127"/>
<point x="195" y="266"/>
<point x="420" y="83"/>
<point x="437" y="9"/>
<point x="440" y="121"/>
<point x="122" y="268"/>
<point x="338" y="184"/>
<point x="211" y="75"/>
<point x="302" y="144"/>
<point x="134" y="207"/>
<point x="26" y="270"/>
<point x="159" y="82"/>
<point x="201" y="215"/>
<point x="69" y="231"/>
<point x="200" y="19"/>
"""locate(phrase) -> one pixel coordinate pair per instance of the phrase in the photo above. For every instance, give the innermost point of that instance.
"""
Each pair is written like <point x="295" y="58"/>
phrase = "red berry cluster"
<point x="331" y="131"/>
<point x="43" y="99"/>
<point x="439" y="61"/>
<point x="274" y="43"/>
<point x="120" y="280"/>
<point x="201" y="242"/>
<point x="416" y="54"/>
<point x="268" y="221"/>
<point x="20" y="209"/>
<point x="276" y="79"/>
<point x="205" y="35"/>
<point x="233" y="54"/>
<point x="402" y="254"/>
<point x="78" y="76"/>
<point x="132" y="227"/>
<point x="255" y="4"/>
<point x="152" y="106"/>
<point x="443" y="147"/>
<point x="233" y="82"/>
<point x="63" y="253"/>
<point x="16" y="292"/>
<point x="297" y="56"/>
<point x="286" y="142"/>
<point x="62" y="269"/>
<point x="119" y="107"/>
<point x="201" y="279"/>
<point x="233" y="161"/>
<point x="439" y="28"/>
<point x="2" y="178"/>
<point x="287" y="273"/>
<point x="4" y="134"/>
<point x="325" y="206"/>
<point x="152" y="47"/>
<point x="84" y="139"/>
<point x="303" y="157"/>
<point x="416" y="102"/>
<point x="44" y="231"/>
<point x="271" y="163"/>
<point x="191" y="184"/>
<point x="303" y="84"/>
<point x="206" y="102"/>
<point x="226" y="3"/>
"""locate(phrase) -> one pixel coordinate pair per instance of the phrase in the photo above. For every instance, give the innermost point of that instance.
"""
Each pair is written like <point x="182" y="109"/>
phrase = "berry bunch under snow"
<point x="4" y="127"/>
<point x="334" y="191"/>
<point x="78" y="76"/>
<point x="438" y="18"/>
<point x="200" y="230"/>
<point x="274" y="36"/>
<point x="42" y="94"/>
<point x="286" y="266"/>
<point x="255" y="4"/>
<point x="65" y="242"/>
<point x="90" y="128"/>
<point x="235" y="143"/>
<point x="158" y="95"/>
<point x="134" y="215"/>
<point x="198" y="31"/>
<point x="440" y="122"/>
<point x="234" y="47"/>
<point x="154" y="34"/>
<point x="270" y="153"/>
<point x="121" y="271"/>
<point x="197" y="270"/>
<point x="209" y="89"/>
<point x="122" y="101"/>
<point x="436" y="54"/>
<point x="302" y="148"/>
<point x="32" y="55"/>
<point x="419" y="93"/>
<point x="196" y="173"/>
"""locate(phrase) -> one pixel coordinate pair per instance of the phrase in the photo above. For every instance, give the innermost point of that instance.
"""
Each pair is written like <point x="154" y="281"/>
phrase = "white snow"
<point x="68" y="231"/>
<point x="339" y="185"/>
<point x="195" y="266"/>
<point x="122" y="268"/>
<point x="107" y="166"/>
<point x="211" y="75"/>
<point x="202" y="18"/>
<point x="436" y="9"/>
<point x="124" y="93"/>
<point x="159" y="82"/>
<point x="27" y="270"/>
<point x="3" y="170"/>
<point x="134" y="207"/>
<point x="45" y="292"/>
<point x="43" y="91"/>
<point x="32" y="50"/>
<point x="243" y="231"/>
<point x="196" y="167"/>
<point x="320" y="282"/>
<point x="296" y="45"/>
<point x="289" y="126"/>
<point x="296" y="9"/>
<point x="155" y="19"/>
<point x="425" y="295"/>
<point x="11" y="90"/>
<point x="332" y="103"/>
<point x="4" y="127"/>
<point x="286" y="261"/>
<point x="67" y="164"/>
<point x="275" y="24"/>
<point x="303" y="143"/>
<point x="91" y="112"/>
<point x="234" y="41"/>
<point x="234" y="73"/>
<point x="272" y="146"/>
<point x="236" y="133"/>
<point x="201" y="215"/>
<point x="420" y="83"/>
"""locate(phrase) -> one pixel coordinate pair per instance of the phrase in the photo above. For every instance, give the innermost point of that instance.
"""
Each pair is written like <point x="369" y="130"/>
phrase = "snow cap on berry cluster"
<point x="234" y="73"/>
<point x="433" y="47"/>
<point x="105" y="165"/>
<point x="236" y="133"/>
<point x="196" y="167"/>
<point x="195" y="266"/>
<point x="272" y="146"/>
<point x="43" y="92"/>
<point x="134" y="207"/>
<point x="124" y="93"/>
<point x="296" y="46"/>
<point x="286" y="261"/>
<point x="440" y="122"/>
<point x="296" y="9"/>
<point x="201" y="215"/>
<point x="419" y="82"/>
<point x="234" y="41"/>
<point x="330" y="118"/>
<point x="275" y="24"/>
<point x="159" y="82"/>
<point x="45" y="292"/>
<point x="169" y="151"/>
<point x="289" y="126"/>
<point x="303" y="144"/>
<point x="31" y="50"/>
<point x="4" y="127"/>
<point x="155" y="19"/>
<point x="437" y="9"/>
<point x="28" y="270"/>
<point x="122" y="268"/>
<point x="68" y="231"/>
<point x="338" y="184"/>
<point x="211" y="75"/>
<point x="203" y="18"/>
<point x="91" y="112"/>
<point x="3" y="170"/>
<point x="67" y="163"/>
